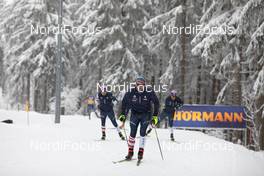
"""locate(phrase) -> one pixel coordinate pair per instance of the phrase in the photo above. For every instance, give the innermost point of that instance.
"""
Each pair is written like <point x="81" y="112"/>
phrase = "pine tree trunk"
<point x="28" y="89"/>
<point x="183" y="50"/>
<point x="146" y="67"/>
<point x="260" y="121"/>
<point x="44" y="105"/>
<point x="36" y="97"/>
<point x="100" y="73"/>
<point x="22" y="95"/>
<point x="237" y="91"/>
<point x="198" y="92"/>
<point x="216" y="89"/>
<point x="261" y="136"/>
<point x="160" y="74"/>
<point x="201" y="85"/>
<point x="1" y="69"/>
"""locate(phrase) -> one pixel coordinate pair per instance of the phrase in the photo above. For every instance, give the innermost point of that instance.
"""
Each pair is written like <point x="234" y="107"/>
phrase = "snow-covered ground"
<point x="73" y="148"/>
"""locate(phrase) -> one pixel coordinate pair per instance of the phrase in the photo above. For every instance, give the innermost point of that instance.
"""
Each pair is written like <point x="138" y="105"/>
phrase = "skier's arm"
<point x="167" y="102"/>
<point x="124" y="105"/>
<point x="179" y="103"/>
<point x="97" y="102"/>
<point x="114" y="98"/>
<point x="156" y="103"/>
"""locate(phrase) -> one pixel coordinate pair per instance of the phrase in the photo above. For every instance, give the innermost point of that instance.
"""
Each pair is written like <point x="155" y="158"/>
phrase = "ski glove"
<point x="178" y="106"/>
<point x="155" y="120"/>
<point x="122" y="118"/>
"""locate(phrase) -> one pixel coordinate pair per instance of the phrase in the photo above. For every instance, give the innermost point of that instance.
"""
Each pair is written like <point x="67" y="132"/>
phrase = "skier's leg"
<point x="94" y="110"/>
<point x="162" y="116"/>
<point x="111" y="115"/>
<point x="144" y="122"/>
<point x="170" y="117"/>
<point x="85" y="110"/>
<point x="89" y="112"/>
<point x="134" y="122"/>
<point x="103" y="118"/>
<point x="96" y="114"/>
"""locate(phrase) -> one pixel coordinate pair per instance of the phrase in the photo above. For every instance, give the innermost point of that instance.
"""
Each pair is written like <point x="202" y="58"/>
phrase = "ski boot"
<point x="172" y="137"/>
<point x="103" y="135"/>
<point x="121" y="136"/>
<point x="130" y="154"/>
<point x="140" y="153"/>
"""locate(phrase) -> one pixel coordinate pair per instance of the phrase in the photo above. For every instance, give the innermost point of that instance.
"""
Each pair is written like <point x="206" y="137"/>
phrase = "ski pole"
<point x="96" y="114"/>
<point x="158" y="143"/>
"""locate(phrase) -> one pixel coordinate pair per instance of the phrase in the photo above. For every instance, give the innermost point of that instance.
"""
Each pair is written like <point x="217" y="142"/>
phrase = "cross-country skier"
<point x="172" y="104"/>
<point x="139" y="101"/>
<point x="90" y="101"/>
<point x="105" y="105"/>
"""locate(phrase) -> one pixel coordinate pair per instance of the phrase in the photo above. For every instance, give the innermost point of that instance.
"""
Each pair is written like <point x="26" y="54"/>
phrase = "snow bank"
<point x="72" y="148"/>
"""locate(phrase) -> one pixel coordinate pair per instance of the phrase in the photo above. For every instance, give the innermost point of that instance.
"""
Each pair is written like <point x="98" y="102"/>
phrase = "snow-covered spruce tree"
<point x="30" y="52"/>
<point x="74" y="48"/>
<point x="173" y="45"/>
<point x="89" y="68"/>
<point x="1" y="68"/>
<point x="216" y="46"/>
<point x="225" y="50"/>
<point x="117" y="51"/>
<point x="252" y="19"/>
<point x="69" y="100"/>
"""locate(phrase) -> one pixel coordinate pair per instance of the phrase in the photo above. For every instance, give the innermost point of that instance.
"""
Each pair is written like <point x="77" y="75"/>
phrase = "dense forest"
<point x="127" y="38"/>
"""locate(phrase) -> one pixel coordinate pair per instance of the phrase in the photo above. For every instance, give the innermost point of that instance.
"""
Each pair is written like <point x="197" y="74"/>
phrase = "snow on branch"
<point x="160" y="19"/>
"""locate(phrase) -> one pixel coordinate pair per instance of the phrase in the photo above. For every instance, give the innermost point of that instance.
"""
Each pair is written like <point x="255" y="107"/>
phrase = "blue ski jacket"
<point x="106" y="102"/>
<point x="172" y="105"/>
<point x="140" y="102"/>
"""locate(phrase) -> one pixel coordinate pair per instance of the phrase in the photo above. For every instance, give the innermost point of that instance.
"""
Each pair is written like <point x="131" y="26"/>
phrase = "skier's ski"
<point x="99" y="140"/>
<point x="177" y="142"/>
<point x="138" y="162"/>
<point x="107" y="140"/>
<point x="123" y="160"/>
